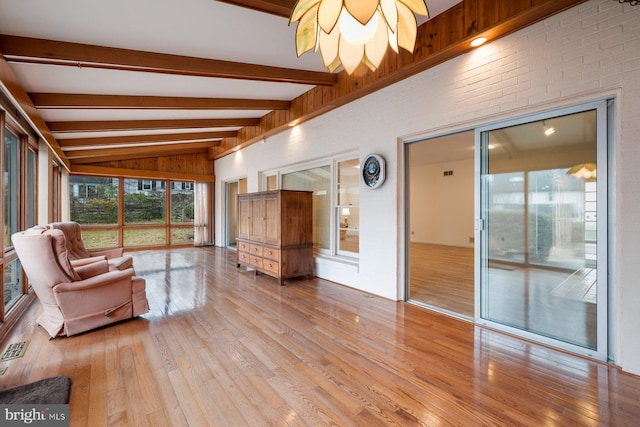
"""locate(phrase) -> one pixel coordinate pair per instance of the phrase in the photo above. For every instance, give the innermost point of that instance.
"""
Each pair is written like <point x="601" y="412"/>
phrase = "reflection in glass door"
<point x="543" y="219"/>
<point x="440" y="235"/>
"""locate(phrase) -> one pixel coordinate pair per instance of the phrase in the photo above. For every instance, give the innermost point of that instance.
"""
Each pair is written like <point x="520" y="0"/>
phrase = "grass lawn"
<point x="108" y="238"/>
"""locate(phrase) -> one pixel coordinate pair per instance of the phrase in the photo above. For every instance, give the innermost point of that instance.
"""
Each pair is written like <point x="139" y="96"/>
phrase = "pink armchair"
<point x="79" y="255"/>
<point x="75" y="300"/>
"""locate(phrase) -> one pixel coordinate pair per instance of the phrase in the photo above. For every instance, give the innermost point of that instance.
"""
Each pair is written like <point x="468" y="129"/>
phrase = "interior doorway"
<point x="232" y="190"/>
<point x="440" y="223"/>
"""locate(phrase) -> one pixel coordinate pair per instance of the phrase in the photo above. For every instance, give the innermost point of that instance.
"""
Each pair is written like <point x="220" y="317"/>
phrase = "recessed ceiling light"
<point x="479" y="41"/>
<point x="548" y="130"/>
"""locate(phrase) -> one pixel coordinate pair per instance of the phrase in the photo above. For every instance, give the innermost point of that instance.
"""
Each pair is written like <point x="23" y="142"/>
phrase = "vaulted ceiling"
<point x="123" y="79"/>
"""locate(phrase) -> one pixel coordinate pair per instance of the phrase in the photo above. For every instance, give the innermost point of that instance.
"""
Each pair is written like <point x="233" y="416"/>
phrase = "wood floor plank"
<point x="222" y="346"/>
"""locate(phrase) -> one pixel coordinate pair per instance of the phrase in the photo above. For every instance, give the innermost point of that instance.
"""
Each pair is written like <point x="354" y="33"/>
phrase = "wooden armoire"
<point x="275" y="233"/>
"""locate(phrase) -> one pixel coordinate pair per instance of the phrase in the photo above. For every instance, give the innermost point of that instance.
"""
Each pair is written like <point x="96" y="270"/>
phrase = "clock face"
<point x="372" y="170"/>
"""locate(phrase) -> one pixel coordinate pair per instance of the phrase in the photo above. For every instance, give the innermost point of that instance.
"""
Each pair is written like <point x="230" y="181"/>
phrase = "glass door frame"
<point x="604" y="309"/>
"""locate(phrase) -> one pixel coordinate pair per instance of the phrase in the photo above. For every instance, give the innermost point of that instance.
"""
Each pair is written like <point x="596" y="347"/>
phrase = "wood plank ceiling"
<point x="122" y="120"/>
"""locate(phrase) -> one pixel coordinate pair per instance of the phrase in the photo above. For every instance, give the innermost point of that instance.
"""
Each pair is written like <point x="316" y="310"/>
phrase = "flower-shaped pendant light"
<point x="348" y="32"/>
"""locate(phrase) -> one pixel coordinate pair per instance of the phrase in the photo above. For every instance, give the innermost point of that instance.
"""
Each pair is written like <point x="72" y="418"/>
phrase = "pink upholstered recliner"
<point x="75" y="300"/>
<point x="78" y="253"/>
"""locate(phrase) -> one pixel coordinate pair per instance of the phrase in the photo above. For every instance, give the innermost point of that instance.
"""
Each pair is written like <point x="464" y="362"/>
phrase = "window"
<point x="347" y="208"/>
<point x="132" y="212"/>
<point x="272" y="182"/>
<point x="19" y="163"/>
<point x="144" y="207"/>
<point x="182" y="205"/>
<point x="12" y="283"/>
<point x="94" y="202"/>
<point x="317" y="180"/>
<point x="31" y="189"/>
<point x="11" y="166"/>
<point x="336" y="204"/>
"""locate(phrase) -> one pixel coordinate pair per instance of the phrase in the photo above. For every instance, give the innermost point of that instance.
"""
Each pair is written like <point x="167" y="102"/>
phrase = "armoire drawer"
<point x="271" y="253"/>
<point x="271" y="266"/>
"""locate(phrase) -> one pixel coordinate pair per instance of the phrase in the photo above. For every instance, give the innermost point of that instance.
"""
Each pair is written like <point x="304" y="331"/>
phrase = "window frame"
<point x="333" y="251"/>
<point x="339" y="207"/>
<point x="144" y="184"/>
<point x="24" y="202"/>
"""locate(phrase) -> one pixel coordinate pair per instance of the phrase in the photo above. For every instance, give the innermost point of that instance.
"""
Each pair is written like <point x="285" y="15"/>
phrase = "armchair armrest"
<point x="84" y="261"/>
<point x="92" y="269"/>
<point x="109" y="253"/>
<point x="105" y="279"/>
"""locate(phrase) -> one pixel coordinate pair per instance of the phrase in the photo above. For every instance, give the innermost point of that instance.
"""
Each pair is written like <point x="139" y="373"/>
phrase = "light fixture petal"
<point x="328" y="14"/>
<point x="306" y="33"/>
<point x="328" y="44"/>
<point x="390" y="13"/>
<point x="407" y="28"/>
<point x="393" y="40"/>
<point x="301" y="8"/>
<point x="417" y="6"/>
<point x="350" y="55"/>
<point x="362" y="10"/>
<point x="356" y="33"/>
<point x="334" y="65"/>
<point x="375" y="49"/>
<point x="368" y="63"/>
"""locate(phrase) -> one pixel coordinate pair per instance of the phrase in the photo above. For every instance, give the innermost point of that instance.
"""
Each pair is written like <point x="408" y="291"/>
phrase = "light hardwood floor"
<point x="223" y="347"/>
<point x="442" y="276"/>
<point x="553" y="302"/>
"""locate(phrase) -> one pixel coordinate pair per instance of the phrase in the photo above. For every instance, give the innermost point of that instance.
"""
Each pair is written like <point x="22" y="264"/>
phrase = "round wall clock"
<point x="372" y="170"/>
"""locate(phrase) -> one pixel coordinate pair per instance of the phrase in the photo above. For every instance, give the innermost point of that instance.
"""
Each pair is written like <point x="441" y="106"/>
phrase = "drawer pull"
<point x="270" y="265"/>
<point x="255" y="249"/>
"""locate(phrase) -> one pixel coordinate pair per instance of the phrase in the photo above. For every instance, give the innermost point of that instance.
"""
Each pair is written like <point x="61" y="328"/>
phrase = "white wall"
<point x="441" y="207"/>
<point x="589" y="52"/>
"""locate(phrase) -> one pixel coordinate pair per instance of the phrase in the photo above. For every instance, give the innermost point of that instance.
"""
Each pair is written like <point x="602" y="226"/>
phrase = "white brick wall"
<point x="585" y="53"/>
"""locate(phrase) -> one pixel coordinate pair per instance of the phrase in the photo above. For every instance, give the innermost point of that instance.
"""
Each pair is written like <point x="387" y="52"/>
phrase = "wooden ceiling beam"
<point x="106" y="154"/>
<point x="11" y="83"/>
<point x="137" y="173"/>
<point x="145" y="139"/>
<point x="42" y="51"/>
<point x="89" y="160"/>
<point x="281" y="8"/>
<point x="114" y="125"/>
<point x="89" y="101"/>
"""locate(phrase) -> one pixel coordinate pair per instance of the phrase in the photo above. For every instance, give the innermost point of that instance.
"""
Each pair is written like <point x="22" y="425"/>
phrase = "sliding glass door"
<point x="542" y="259"/>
